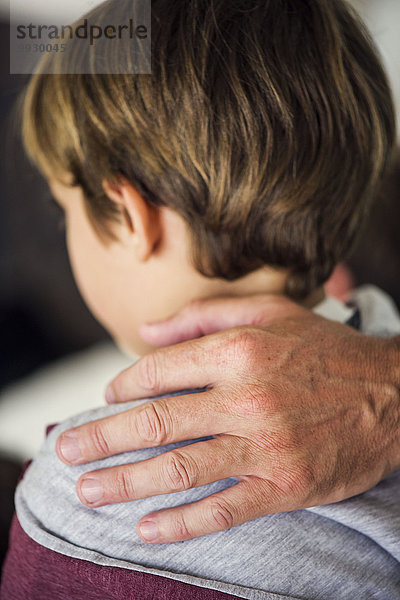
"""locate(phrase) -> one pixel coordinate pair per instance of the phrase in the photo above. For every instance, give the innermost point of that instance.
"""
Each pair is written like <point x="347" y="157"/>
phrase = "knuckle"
<point x="148" y="374"/>
<point x="220" y="516"/>
<point x="123" y="486"/>
<point x="298" y="480"/>
<point x="153" y="423"/>
<point x="307" y="478"/>
<point x="277" y="438"/>
<point x="179" y="526"/>
<point x="252" y="402"/>
<point x="251" y="399"/>
<point x="179" y="473"/>
<point x="244" y="347"/>
<point x="99" y="440"/>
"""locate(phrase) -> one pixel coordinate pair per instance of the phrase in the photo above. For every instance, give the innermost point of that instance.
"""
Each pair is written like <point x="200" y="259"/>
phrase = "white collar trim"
<point x="333" y="309"/>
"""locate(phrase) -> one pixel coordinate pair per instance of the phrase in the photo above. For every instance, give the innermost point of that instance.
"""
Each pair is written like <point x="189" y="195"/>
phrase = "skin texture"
<point x="304" y="411"/>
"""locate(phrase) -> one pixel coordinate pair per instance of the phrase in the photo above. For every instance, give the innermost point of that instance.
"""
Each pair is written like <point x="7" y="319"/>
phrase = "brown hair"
<point x="265" y="124"/>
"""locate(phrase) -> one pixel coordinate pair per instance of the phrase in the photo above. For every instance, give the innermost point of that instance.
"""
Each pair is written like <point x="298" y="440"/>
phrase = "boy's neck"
<point x="314" y="298"/>
<point x="263" y="281"/>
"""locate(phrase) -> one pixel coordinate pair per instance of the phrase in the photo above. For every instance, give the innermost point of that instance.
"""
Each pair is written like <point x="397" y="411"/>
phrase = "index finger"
<point x="193" y="364"/>
<point x="151" y="424"/>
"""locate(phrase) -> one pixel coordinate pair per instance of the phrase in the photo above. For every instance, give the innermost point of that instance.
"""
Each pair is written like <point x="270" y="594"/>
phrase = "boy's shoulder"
<point x="367" y="525"/>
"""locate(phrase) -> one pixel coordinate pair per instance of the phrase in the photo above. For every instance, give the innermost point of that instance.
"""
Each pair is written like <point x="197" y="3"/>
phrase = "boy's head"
<point x="247" y="160"/>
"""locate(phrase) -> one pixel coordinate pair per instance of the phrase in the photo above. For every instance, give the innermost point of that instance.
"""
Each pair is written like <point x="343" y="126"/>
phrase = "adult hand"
<point x="304" y="411"/>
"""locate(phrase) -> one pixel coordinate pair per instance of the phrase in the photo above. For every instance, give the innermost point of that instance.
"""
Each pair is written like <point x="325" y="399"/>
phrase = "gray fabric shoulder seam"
<point x="46" y="539"/>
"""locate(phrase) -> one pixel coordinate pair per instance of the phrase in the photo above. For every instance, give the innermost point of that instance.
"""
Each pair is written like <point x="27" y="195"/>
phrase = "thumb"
<point x="206" y="316"/>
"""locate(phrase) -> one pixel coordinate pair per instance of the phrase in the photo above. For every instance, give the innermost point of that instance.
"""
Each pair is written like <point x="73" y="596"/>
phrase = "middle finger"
<point x="174" y="471"/>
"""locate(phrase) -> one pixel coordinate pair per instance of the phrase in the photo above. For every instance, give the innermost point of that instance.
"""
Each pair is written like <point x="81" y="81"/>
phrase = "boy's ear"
<point x="142" y="221"/>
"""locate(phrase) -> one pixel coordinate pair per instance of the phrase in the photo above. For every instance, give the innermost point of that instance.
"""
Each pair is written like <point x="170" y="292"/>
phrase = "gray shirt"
<point x="338" y="551"/>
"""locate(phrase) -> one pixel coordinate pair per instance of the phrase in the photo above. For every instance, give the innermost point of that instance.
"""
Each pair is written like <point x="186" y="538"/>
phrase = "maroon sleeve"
<point x="33" y="572"/>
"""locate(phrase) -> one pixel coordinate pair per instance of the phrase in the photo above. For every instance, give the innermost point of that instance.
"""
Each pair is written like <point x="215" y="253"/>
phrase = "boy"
<point x="245" y="163"/>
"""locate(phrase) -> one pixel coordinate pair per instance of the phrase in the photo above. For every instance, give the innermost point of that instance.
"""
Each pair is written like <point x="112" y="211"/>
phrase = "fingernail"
<point x="149" y="531"/>
<point x="110" y="396"/>
<point x="92" y="490"/>
<point x="69" y="448"/>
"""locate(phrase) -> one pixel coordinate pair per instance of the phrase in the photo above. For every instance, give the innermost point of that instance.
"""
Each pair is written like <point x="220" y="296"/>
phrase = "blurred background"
<point x="54" y="358"/>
